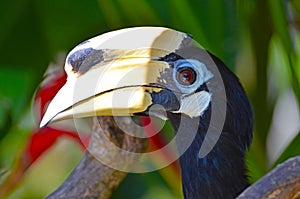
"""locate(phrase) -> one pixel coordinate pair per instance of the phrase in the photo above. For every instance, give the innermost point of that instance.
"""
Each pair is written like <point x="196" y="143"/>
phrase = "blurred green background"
<point x="258" y="40"/>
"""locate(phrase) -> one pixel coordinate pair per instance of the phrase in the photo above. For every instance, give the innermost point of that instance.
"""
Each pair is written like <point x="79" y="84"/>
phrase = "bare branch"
<point x="282" y="182"/>
<point x="93" y="179"/>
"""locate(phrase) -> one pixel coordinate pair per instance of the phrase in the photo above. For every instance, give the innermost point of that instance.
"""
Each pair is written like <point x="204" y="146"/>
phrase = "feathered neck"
<point x="222" y="173"/>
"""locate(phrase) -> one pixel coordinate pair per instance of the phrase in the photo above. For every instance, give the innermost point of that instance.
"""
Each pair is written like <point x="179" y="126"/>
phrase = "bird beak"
<point x="114" y="74"/>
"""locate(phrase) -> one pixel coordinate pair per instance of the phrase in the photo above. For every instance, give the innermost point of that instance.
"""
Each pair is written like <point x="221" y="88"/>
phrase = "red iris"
<point x="186" y="76"/>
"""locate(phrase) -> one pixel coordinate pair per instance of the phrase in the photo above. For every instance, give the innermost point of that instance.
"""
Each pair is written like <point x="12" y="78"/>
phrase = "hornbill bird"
<point x="163" y="72"/>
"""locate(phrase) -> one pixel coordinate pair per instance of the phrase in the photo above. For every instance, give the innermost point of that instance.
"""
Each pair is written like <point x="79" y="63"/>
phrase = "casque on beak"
<point x="115" y="74"/>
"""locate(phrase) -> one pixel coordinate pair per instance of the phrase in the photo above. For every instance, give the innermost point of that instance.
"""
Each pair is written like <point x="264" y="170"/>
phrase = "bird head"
<point x="134" y="71"/>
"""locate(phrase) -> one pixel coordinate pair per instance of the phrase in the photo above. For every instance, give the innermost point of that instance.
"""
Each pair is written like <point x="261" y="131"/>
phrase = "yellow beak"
<point x="120" y="83"/>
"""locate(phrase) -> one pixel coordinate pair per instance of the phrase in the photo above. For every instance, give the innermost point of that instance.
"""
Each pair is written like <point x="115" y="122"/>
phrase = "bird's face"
<point x="146" y="70"/>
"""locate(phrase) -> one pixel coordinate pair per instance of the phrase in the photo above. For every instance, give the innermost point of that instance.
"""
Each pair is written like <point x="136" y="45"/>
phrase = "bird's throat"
<point x="220" y="174"/>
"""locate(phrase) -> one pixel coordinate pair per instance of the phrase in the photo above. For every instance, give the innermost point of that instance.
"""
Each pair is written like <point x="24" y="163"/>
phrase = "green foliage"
<point x="291" y="150"/>
<point x="244" y="34"/>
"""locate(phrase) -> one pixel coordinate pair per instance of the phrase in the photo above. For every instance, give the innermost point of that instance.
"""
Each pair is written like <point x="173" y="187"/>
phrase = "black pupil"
<point x="186" y="76"/>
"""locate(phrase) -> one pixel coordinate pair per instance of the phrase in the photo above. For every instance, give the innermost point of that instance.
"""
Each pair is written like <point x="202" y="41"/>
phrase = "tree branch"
<point x="282" y="182"/>
<point x="93" y="179"/>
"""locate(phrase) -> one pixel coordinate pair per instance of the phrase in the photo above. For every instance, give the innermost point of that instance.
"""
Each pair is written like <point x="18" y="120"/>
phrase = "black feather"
<point x="222" y="173"/>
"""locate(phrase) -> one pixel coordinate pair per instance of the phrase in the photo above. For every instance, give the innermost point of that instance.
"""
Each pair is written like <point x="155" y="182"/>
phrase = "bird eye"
<point x="186" y="76"/>
<point x="189" y="74"/>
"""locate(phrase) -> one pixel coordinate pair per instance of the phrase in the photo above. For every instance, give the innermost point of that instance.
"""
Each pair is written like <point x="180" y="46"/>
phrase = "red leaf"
<point x="39" y="141"/>
<point x="46" y="93"/>
<point x="44" y="138"/>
